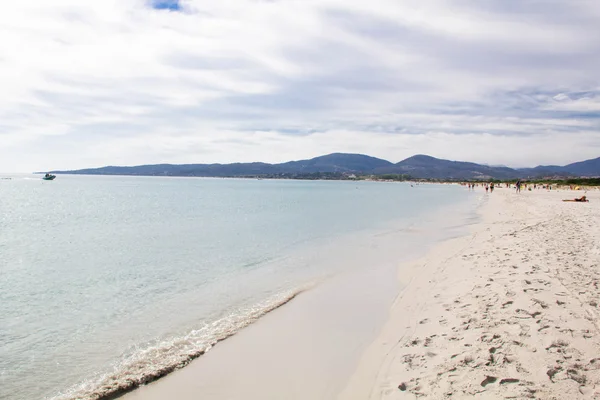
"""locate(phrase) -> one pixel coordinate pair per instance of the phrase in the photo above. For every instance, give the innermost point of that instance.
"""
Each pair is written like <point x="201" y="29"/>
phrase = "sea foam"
<point x="151" y="362"/>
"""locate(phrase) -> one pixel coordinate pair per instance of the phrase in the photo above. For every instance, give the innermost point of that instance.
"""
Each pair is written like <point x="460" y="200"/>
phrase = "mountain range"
<point x="418" y="166"/>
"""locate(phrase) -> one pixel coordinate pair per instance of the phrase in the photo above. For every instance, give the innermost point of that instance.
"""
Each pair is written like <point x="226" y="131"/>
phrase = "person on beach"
<point x="582" y="199"/>
<point x="492" y="187"/>
<point x="518" y="185"/>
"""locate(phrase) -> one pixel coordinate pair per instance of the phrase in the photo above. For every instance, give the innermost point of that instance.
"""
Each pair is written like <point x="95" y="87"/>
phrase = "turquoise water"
<point x="103" y="279"/>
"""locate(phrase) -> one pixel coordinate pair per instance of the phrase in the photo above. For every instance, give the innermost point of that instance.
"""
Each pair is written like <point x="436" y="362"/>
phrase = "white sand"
<point x="510" y="311"/>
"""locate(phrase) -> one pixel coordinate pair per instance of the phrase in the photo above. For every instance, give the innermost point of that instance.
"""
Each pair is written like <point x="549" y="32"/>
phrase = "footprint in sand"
<point x="541" y="303"/>
<point x="488" y="380"/>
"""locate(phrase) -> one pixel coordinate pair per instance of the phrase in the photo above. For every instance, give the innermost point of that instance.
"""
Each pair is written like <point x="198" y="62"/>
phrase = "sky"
<point x="88" y="83"/>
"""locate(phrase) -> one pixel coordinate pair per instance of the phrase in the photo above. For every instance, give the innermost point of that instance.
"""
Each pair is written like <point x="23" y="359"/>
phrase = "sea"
<point x="107" y="282"/>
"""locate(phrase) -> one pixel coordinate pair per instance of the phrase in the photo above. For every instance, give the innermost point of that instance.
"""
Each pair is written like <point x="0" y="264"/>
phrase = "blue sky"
<point x="172" y="5"/>
<point x="88" y="83"/>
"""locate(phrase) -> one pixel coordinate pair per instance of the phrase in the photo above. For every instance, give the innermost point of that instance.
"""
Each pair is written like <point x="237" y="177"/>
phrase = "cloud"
<point x="89" y="83"/>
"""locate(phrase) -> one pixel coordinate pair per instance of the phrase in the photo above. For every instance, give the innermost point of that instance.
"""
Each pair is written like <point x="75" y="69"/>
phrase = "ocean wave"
<point x="155" y="361"/>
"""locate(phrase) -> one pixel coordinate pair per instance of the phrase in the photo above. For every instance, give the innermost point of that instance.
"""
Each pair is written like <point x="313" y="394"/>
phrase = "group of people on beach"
<point x="489" y="187"/>
<point x="518" y="186"/>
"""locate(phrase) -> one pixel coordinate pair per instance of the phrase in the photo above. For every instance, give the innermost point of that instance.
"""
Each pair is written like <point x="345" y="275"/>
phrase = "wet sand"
<point x="309" y="348"/>
<point x="305" y="350"/>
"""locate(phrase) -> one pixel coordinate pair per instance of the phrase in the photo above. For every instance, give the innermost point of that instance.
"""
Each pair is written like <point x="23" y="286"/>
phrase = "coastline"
<point x="310" y="347"/>
<point x="143" y="334"/>
<point x="487" y="313"/>
<point x="508" y="311"/>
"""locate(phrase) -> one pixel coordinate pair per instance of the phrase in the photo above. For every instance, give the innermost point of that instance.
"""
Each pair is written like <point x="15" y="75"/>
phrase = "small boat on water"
<point x="49" y="177"/>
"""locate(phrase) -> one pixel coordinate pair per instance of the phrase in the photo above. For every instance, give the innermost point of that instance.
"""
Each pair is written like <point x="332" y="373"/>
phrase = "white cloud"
<point x="88" y="83"/>
<point x="583" y="104"/>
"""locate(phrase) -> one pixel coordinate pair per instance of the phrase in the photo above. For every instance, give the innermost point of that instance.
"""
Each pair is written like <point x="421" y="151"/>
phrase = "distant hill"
<point x="585" y="168"/>
<point x="331" y="163"/>
<point x="544" y="170"/>
<point x="422" y="166"/>
<point x="588" y="168"/>
<point x="339" y="164"/>
<point x="336" y="162"/>
<point x="237" y="169"/>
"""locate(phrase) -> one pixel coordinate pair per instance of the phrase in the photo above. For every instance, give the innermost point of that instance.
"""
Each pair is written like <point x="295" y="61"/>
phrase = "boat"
<point x="49" y="177"/>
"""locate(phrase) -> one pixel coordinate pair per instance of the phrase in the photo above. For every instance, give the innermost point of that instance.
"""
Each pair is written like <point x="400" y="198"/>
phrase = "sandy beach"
<point x="509" y="311"/>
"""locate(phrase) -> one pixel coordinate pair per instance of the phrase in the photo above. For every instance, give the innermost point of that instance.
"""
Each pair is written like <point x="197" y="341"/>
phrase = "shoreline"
<point x="508" y="311"/>
<point x="474" y="314"/>
<point x="367" y="368"/>
<point x="309" y="348"/>
<point x="368" y="245"/>
<point x="132" y="377"/>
